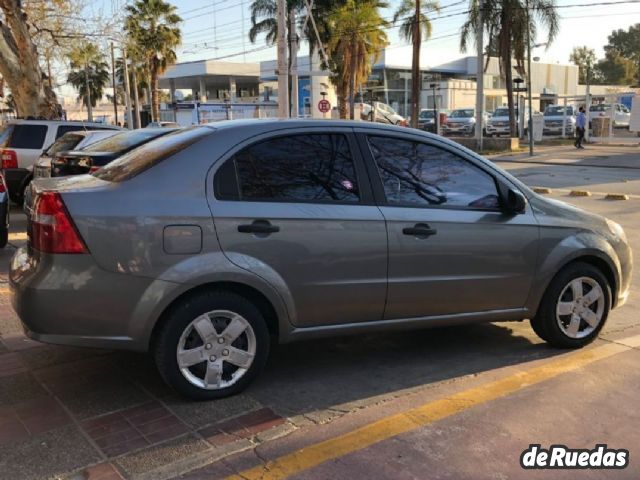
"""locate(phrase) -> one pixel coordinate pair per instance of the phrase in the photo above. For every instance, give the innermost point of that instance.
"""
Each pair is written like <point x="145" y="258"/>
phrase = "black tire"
<point x="4" y="237"/>
<point x="181" y="316"/>
<point x="545" y="323"/>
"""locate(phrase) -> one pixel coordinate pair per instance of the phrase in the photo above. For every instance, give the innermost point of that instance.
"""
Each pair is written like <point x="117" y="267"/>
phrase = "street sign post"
<point x="324" y="106"/>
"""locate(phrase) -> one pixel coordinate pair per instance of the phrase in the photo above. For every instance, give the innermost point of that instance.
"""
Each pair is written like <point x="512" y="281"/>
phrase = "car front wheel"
<point x="212" y="345"/>
<point x="574" y="307"/>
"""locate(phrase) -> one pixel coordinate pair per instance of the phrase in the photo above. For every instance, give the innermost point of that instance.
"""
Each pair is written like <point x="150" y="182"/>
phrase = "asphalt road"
<point x="455" y="403"/>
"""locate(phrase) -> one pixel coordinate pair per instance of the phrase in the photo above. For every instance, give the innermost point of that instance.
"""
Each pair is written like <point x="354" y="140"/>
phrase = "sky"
<point x="219" y="28"/>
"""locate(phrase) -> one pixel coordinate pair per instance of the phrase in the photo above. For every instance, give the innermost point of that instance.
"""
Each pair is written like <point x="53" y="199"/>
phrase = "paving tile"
<point x="156" y="456"/>
<point x="102" y="471"/>
<point x="11" y="364"/>
<point x="16" y="343"/>
<point x="134" y="443"/>
<point x="12" y="431"/>
<point x="215" y="471"/>
<point x="201" y="414"/>
<point x="244" y="426"/>
<point x="19" y="388"/>
<point x="42" y="414"/>
<point x="3" y="349"/>
<point x="49" y="455"/>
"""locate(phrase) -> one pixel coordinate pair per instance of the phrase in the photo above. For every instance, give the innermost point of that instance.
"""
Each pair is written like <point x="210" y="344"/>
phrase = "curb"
<point x="616" y="196"/>
<point x="580" y="193"/>
<point x="542" y="190"/>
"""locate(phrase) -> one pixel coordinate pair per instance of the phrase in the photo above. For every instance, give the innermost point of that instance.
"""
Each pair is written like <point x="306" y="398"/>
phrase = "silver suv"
<point x="201" y="245"/>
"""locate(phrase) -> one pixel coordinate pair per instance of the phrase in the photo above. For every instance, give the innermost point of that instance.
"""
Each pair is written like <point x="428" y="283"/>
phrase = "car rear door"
<point x="452" y="250"/>
<point x="297" y="209"/>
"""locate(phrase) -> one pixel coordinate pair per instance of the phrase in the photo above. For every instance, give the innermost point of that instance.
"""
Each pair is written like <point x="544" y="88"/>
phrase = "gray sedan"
<point x="201" y="245"/>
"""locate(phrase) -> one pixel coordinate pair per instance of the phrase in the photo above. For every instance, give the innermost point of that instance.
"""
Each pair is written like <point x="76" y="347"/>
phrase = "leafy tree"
<point x="585" y="59"/>
<point x="415" y="27"/>
<point x="626" y="44"/>
<point x="20" y="64"/>
<point x="507" y="21"/>
<point x="357" y="39"/>
<point x="88" y="64"/>
<point x="614" y="69"/>
<point x="153" y="29"/>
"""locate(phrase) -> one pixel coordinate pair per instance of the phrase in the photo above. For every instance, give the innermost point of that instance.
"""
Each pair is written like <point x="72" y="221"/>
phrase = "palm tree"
<point x="89" y="74"/>
<point x="153" y="27"/>
<point x="415" y="26"/>
<point x="508" y="21"/>
<point x="357" y="39"/>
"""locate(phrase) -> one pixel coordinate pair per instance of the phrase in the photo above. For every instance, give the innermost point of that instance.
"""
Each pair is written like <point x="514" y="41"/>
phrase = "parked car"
<point x="201" y="244"/>
<point x="462" y="121"/>
<point x="621" y="115"/>
<point x="555" y="117"/>
<point x="427" y="120"/>
<point x="163" y="125"/>
<point x="22" y="143"/>
<point x="98" y="154"/>
<point x="498" y="124"/>
<point x="69" y="141"/>
<point x="381" y="113"/>
<point x="4" y="213"/>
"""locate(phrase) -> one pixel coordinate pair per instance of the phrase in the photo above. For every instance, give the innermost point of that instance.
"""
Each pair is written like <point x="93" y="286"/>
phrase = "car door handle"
<point x="420" y="230"/>
<point x="259" y="226"/>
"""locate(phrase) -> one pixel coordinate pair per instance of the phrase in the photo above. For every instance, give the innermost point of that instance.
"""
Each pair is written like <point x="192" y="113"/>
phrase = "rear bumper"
<point x="69" y="300"/>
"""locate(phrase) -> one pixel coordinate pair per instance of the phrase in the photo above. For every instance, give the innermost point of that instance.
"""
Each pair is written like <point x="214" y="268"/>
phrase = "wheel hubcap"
<point x="580" y="307"/>
<point x="216" y="350"/>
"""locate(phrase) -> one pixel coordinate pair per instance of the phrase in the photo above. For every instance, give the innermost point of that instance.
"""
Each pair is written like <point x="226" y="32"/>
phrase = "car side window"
<point x="418" y="174"/>
<point x="295" y="168"/>
<point x="28" y="136"/>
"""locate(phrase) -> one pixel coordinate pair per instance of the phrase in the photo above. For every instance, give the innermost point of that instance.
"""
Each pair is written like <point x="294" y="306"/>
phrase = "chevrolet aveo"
<point x="203" y="244"/>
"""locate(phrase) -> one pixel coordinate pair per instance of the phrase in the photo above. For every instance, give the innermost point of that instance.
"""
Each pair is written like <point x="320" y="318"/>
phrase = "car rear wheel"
<point x="574" y="308"/>
<point x="212" y="345"/>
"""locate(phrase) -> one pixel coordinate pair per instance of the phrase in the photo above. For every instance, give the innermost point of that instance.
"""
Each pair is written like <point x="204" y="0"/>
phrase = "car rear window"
<point x="26" y="136"/>
<point x="126" y="140"/>
<point x="150" y="154"/>
<point x="68" y="141"/>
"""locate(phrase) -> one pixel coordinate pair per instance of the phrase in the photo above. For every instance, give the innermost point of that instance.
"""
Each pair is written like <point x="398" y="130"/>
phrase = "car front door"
<point x="297" y="209"/>
<point x="452" y="249"/>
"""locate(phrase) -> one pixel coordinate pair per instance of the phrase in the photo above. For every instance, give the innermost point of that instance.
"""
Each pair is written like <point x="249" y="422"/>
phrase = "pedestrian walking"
<point x="581" y="123"/>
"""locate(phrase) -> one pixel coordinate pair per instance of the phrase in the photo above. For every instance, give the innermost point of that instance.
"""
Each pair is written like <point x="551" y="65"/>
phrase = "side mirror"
<point x="515" y="202"/>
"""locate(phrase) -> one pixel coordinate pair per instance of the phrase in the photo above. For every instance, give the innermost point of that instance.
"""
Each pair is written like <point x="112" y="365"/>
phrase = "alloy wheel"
<point x="216" y="350"/>
<point x="580" y="307"/>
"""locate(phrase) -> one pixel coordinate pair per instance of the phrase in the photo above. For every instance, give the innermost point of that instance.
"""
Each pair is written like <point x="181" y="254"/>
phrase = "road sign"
<point x="324" y="106"/>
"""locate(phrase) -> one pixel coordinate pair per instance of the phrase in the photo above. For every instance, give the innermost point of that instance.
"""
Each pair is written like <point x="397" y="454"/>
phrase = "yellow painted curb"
<point x="542" y="190"/>
<point x="616" y="196"/>
<point x="428" y="413"/>
<point x="580" y="193"/>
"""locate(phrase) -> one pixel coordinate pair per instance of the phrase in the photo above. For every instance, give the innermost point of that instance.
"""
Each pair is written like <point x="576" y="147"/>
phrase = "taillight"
<point x="53" y="230"/>
<point x="9" y="159"/>
<point x="3" y="188"/>
<point x="94" y="169"/>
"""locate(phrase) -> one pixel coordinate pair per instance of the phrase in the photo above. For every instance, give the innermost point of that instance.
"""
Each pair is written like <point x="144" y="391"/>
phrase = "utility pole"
<point x="88" y="91"/>
<point x="293" y="41"/>
<point x="113" y="83"/>
<point x="480" y="75"/>
<point x="529" y="88"/>
<point x="415" y="68"/>
<point x="283" y="87"/>
<point x="127" y="90"/>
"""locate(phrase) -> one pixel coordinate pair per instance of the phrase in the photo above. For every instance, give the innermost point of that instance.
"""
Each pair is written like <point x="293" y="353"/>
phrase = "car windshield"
<point x="426" y="114"/>
<point x="603" y="107"/>
<point x="466" y="113"/>
<point x="68" y="141"/>
<point x="557" y="111"/>
<point x="126" y="140"/>
<point x="137" y="161"/>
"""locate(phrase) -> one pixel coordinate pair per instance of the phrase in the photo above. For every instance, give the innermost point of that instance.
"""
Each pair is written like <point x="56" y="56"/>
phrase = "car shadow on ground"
<point x="316" y="375"/>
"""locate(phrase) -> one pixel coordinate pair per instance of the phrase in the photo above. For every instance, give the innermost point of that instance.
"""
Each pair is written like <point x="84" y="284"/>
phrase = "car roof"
<point x="81" y="125"/>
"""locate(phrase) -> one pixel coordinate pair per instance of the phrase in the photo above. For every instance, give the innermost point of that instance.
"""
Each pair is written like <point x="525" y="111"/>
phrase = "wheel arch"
<point x="250" y="293"/>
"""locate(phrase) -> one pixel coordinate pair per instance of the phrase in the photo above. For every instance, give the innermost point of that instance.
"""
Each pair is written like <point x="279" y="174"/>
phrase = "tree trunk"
<point x="415" y="68"/>
<point x="509" y="80"/>
<point x="20" y="67"/>
<point x="155" y="100"/>
<point x="352" y="82"/>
